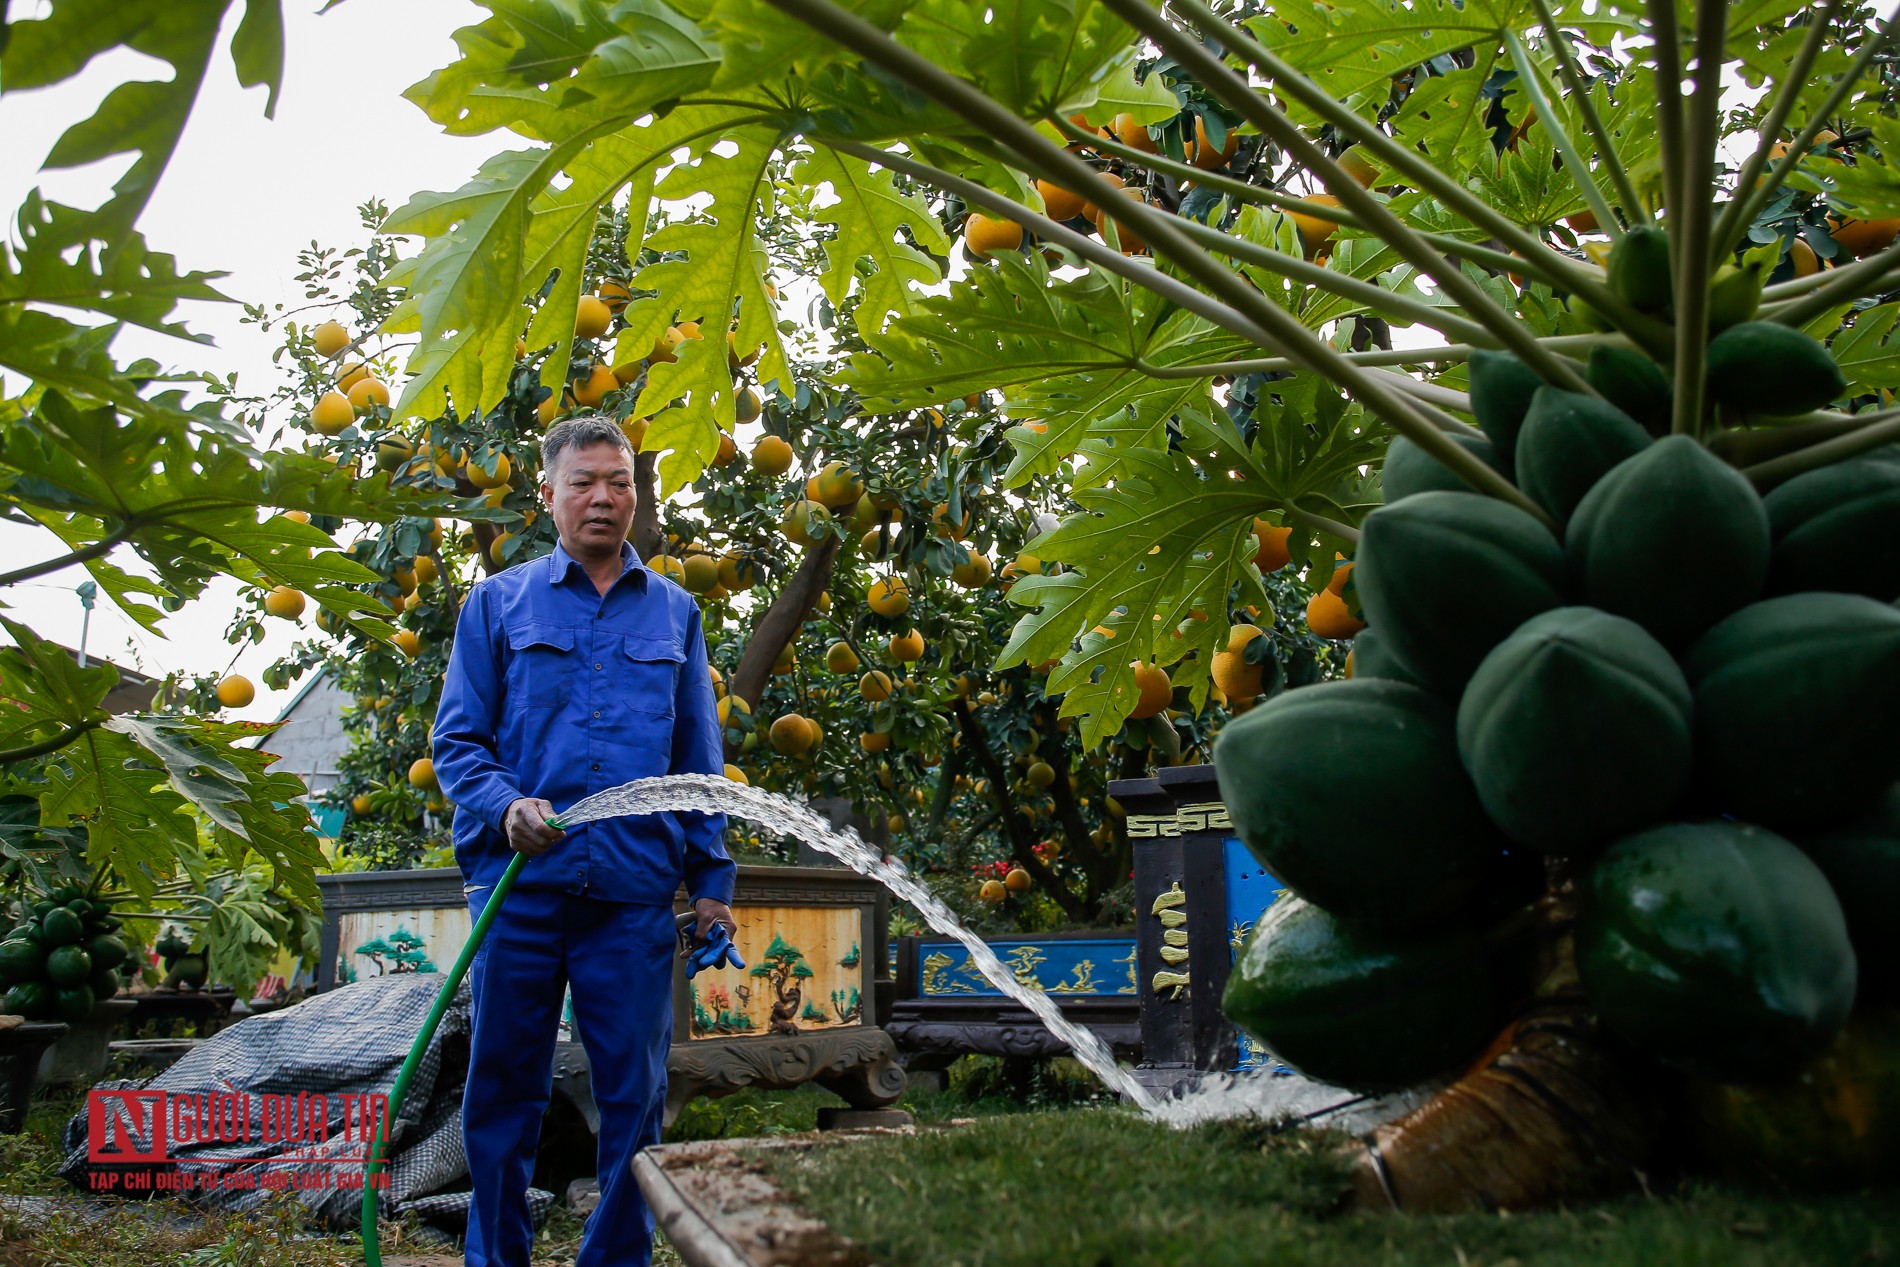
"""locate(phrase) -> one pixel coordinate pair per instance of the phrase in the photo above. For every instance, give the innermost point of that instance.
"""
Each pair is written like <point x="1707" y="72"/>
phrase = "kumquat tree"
<point x="1549" y="342"/>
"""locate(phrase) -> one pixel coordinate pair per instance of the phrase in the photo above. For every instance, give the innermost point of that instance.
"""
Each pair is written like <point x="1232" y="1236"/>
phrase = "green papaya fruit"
<point x="1717" y="947"/>
<point x="65" y="894"/>
<point x="190" y="970"/>
<point x="1861" y="860"/>
<point x="1639" y="268"/>
<point x="61" y="926"/>
<point x="68" y="965"/>
<point x="1371" y="658"/>
<point x="1501" y="388"/>
<point x="31" y="999"/>
<point x="104" y="982"/>
<point x="107" y="951"/>
<point x="1575" y="731"/>
<point x="1357" y="1009"/>
<point x="73" y="1003"/>
<point x="1409" y="469"/>
<point x="1445" y="577"/>
<point x="1674" y="538"/>
<point x="1633" y="383"/>
<point x="21" y="960"/>
<point x="1795" y="701"/>
<point x="1569" y="442"/>
<point x="1351" y="793"/>
<point x="1761" y="367"/>
<point x="1836" y="528"/>
<point x="1735" y="294"/>
<point x="1830" y="1124"/>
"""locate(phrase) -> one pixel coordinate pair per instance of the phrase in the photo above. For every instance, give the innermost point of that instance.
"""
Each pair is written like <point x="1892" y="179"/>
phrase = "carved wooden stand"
<point x="859" y="1065"/>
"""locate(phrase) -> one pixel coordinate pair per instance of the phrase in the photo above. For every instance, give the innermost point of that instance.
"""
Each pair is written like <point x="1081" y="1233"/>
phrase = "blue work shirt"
<point x="557" y="691"/>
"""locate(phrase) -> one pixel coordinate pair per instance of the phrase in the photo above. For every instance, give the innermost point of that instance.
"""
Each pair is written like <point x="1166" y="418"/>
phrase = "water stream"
<point x="716" y="794"/>
<point x="1288" y="1098"/>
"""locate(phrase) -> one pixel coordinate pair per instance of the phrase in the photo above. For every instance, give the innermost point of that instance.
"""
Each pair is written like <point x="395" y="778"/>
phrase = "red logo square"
<point x="126" y="1126"/>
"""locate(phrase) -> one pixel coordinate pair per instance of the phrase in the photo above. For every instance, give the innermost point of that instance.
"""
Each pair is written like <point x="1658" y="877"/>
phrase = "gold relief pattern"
<point x="1167" y="908"/>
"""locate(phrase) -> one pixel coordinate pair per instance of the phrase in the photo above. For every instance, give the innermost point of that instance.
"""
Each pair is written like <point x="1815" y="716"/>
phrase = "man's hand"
<point x="711" y="910"/>
<point x="526" y="826"/>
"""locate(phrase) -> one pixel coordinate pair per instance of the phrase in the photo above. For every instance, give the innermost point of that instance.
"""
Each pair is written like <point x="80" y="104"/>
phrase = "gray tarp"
<point x="348" y="1041"/>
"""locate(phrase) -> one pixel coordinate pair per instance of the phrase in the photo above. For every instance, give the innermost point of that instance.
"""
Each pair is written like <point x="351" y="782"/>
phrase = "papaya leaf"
<point x="46" y="690"/>
<point x="116" y="276"/>
<point x="708" y="264"/>
<point x="875" y="222"/>
<point x="1169" y="538"/>
<point x="464" y="287"/>
<point x="145" y="117"/>
<point x="1030" y="55"/>
<point x="1867" y="352"/>
<point x="760" y="41"/>
<point x="188" y="503"/>
<point x="518" y="67"/>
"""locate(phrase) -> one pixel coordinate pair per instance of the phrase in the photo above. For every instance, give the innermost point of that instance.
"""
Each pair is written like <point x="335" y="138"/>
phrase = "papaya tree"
<point x="1619" y="507"/>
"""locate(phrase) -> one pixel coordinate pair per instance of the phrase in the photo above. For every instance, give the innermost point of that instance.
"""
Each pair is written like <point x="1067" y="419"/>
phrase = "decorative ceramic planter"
<point x="21" y="1047"/>
<point x="79" y="1058"/>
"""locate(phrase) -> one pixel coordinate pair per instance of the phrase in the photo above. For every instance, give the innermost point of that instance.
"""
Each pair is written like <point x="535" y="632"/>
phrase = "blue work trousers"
<point x="619" y="957"/>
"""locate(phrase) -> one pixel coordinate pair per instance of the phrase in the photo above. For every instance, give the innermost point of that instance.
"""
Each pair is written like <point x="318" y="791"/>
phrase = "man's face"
<point x="590" y="494"/>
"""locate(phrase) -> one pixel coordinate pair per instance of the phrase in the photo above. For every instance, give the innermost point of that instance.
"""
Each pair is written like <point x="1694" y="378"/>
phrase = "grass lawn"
<point x="1088" y="1189"/>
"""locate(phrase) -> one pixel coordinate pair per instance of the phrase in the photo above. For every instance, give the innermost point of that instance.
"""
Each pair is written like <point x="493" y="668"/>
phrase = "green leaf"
<point x="465" y="291"/>
<point x="708" y="265"/>
<point x="874" y="222"/>
<point x="116" y="277"/>
<point x="258" y="50"/>
<point x="145" y="117"/>
<point x="1867" y="352"/>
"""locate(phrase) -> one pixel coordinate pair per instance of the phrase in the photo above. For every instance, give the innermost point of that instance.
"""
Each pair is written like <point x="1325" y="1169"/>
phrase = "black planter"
<point x="20" y="1050"/>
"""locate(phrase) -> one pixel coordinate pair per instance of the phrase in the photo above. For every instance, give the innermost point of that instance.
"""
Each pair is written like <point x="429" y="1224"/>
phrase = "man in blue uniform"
<point x="572" y="673"/>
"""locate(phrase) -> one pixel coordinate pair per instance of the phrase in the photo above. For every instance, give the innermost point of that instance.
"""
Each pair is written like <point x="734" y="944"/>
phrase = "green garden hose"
<point x="372" y="1249"/>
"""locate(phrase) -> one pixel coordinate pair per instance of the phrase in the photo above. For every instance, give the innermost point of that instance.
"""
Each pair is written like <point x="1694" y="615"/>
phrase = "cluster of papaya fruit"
<point x="61" y="957"/>
<point x="1671" y="703"/>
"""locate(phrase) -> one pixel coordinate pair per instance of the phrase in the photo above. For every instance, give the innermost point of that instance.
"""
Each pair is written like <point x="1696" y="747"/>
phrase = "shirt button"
<point x="596" y="714"/>
<point x="596" y="665"/>
<point x="597" y="765"/>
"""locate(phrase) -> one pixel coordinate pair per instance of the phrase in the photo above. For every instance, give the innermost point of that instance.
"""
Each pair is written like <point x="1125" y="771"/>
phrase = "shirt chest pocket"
<point x="541" y="665"/>
<point x="649" y="670"/>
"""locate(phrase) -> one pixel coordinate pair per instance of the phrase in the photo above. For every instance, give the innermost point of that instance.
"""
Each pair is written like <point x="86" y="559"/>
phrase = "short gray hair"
<point x="579" y="433"/>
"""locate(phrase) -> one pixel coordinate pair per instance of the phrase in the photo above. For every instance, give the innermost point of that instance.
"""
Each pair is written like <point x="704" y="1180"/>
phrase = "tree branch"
<point x="646" y="536"/>
<point x="1414" y="165"/>
<point x="782" y="620"/>
<point x="1844" y="287"/>
<point x="1533" y="87"/>
<point x="1305" y="350"/>
<point x="1766" y="475"/>
<point x="85" y="554"/>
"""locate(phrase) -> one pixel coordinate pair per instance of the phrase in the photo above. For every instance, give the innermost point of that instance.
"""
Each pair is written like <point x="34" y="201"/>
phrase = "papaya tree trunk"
<point x="1553" y="1113"/>
<point x="782" y="620"/>
<point x="1022" y="841"/>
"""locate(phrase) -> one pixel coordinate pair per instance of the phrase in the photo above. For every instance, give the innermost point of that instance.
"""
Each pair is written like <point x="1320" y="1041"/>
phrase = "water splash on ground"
<point x="716" y="794"/>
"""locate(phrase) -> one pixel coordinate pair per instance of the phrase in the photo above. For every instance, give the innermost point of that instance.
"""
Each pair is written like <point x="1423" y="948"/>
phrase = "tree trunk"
<point x="782" y="620"/>
<point x="645" y="534"/>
